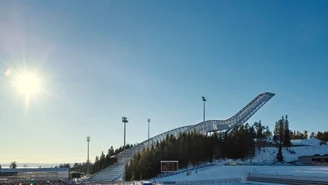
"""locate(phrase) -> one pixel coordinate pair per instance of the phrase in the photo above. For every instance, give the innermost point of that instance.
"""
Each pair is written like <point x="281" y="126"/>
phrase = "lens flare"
<point x="27" y="83"/>
<point x="8" y="72"/>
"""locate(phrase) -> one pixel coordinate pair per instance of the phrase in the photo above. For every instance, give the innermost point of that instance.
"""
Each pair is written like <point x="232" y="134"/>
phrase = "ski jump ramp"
<point x="203" y="127"/>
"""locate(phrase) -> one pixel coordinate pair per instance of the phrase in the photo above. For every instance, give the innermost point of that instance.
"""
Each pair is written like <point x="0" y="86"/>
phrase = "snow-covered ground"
<point x="311" y="142"/>
<point x="221" y="171"/>
<point x="267" y="155"/>
<point x="312" y="147"/>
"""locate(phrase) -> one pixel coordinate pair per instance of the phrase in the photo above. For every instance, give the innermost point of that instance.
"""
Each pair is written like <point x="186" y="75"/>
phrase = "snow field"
<point x="264" y="156"/>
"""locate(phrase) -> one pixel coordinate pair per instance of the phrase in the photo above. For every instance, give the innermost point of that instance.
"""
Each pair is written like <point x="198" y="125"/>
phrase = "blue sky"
<point x="101" y="60"/>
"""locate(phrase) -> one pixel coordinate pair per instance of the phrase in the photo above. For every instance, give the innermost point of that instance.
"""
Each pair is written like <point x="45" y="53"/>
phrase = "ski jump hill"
<point x="115" y="171"/>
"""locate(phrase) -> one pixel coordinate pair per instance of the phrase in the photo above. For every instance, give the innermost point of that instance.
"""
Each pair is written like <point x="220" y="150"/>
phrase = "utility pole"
<point x="88" y="140"/>
<point x="124" y="120"/>
<point x="204" y="100"/>
<point x="148" y="120"/>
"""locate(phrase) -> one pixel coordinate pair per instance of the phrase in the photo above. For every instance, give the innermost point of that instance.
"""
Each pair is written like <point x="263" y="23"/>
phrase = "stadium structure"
<point x="115" y="171"/>
<point x="34" y="175"/>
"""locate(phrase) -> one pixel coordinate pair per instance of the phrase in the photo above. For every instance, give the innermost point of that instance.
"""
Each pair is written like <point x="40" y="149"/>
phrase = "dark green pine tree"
<point x="281" y="129"/>
<point x="96" y="167"/>
<point x="102" y="160"/>
<point x="280" y="157"/>
<point x="305" y="135"/>
<point x="276" y="132"/>
<point x="127" y="172"/>
<point x="239" y="144"/>
<point x="312" y="135"/>
<point x="287" y="136"/>
<point x="259" y="130"/>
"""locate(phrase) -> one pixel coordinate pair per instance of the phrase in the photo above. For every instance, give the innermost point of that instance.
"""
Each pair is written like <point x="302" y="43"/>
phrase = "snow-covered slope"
<point x="310" y="142"/>
<point x="264" y="156"/>
<point x="224" y="172"/>
<point x="292" y="153"/>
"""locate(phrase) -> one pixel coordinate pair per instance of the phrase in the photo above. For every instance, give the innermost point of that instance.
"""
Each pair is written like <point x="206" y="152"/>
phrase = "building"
<point x="314" y="159"/>
<point x="37" y="175"/>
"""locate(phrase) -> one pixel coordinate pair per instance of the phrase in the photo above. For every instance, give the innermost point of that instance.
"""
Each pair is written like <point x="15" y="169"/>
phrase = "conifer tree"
<point x="305" y="134"/>
<point x="280" y="157"/>
<point x="13" y="165"/>
<point x="287" y="137"/>
<point x="276" y="132"/>
<point x="312" y="135"/>
<point x="191" y="148"/>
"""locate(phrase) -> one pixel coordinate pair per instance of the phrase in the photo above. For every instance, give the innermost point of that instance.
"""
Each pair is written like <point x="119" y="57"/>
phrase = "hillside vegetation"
<point x="242" y="143"/>
<point x="194" y="149"/>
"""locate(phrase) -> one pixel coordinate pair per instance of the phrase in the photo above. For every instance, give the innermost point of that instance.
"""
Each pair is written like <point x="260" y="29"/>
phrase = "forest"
<point x="194" y="149"/>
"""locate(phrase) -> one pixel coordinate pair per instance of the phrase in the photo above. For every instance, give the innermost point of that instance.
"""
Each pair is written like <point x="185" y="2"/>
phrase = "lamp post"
<point x="88" y="140"/>
<point x="124" y="120"/>
<point x="148" y="120"/>
<point x="204" y="100"/>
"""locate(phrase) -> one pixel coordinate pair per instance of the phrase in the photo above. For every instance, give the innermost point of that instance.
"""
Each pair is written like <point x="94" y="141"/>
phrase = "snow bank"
<point x="223" y="172"/>
<point x="266" y="156"/>
<point x="290" y="154"/>
<point x="311" y="142"/>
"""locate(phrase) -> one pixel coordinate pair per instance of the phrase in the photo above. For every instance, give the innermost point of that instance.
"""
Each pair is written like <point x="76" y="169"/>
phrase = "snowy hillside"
<point x="240" y="169"/>
<point x="290" y="154"/>
<point x="224" y="172"/>
<point x="311" y="142"/>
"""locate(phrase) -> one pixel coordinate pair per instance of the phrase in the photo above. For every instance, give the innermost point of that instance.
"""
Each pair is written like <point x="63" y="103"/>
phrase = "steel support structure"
<point x="203" y="127"/>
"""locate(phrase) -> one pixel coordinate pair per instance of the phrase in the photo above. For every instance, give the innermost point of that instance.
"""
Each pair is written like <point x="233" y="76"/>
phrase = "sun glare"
<point x="27" y="83"/>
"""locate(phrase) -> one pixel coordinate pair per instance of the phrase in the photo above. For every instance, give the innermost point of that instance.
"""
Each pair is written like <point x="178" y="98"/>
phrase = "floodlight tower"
<point x="148" y="120"/>
<point x="204" y="100"/>
<point x="124" y="120"/>
<point x="88" y="140"/>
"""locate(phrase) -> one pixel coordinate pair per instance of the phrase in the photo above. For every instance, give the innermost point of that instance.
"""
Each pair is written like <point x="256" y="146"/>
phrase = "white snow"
<point x="221" y="171"/>
<point x="268" y="154"/>
<point x="263" y="165"/>
<point x="311" y="142"/>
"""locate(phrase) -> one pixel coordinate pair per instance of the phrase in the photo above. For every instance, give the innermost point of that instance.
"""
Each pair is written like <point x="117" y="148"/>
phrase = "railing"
<point x="202" y="182"/>
<point x="284" y="179"/>
<point x="198" y="182"/>
<point x="182" y="171"/>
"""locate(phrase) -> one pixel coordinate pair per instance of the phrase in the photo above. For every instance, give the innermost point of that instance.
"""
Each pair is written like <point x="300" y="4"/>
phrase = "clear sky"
<point x="101" y="60"/>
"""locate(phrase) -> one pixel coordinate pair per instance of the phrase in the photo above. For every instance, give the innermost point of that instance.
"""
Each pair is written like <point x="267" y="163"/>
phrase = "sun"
<point x="27" y="83"/>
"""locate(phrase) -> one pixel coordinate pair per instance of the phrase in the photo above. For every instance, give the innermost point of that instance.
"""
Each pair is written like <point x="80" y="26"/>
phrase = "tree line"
<point x="105" y="160"/>
<point x="100" y="163"/>
<point x="295" y="135"/>
<point x="13" y="165"/>
<point x="323" y="136"/>
<point x="237" y="144"/>
<point x="282" y="134"/>
<point x="186" y="147"/>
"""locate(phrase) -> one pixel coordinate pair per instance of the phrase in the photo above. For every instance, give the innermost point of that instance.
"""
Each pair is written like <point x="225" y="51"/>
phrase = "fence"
<point x="182" y="171"/>
<point x="199" y="182"/>
<point x="285" y="179"/>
